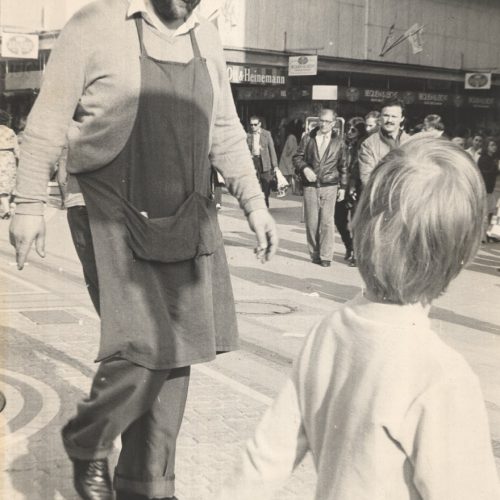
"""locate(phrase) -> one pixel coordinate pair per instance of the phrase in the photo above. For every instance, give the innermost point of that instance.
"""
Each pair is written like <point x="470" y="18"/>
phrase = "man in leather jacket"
<point x="320" y="161"/>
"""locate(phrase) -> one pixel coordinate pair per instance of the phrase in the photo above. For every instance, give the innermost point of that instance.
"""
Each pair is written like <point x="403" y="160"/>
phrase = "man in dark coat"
<point x="261" y="145"/>
<point x="320" y="162"/>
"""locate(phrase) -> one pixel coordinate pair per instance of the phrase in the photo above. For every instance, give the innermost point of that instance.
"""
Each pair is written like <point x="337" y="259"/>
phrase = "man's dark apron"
<point x="164" y="287"/>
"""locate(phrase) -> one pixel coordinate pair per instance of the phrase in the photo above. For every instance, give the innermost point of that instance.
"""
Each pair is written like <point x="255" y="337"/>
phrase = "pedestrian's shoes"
<point x="92" y="480"/>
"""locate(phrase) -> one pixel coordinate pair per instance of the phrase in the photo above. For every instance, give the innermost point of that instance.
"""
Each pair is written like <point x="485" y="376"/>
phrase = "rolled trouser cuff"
<point x="159" y="487"/>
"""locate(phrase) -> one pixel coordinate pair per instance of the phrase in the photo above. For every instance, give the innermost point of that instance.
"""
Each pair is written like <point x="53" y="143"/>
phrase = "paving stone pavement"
<point x="45" y="369"/>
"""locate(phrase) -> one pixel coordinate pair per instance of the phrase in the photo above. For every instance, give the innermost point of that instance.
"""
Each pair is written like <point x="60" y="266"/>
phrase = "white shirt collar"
<point x="136" y="6"/>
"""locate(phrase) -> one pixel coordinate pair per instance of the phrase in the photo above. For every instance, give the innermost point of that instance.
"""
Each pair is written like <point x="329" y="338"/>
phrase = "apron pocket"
<point x="191" y="232"/>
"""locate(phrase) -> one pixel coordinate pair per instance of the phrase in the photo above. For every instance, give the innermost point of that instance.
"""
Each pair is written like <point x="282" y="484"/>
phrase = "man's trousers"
<point x="319" y="211"/>
<point x="145" y="407"/>
<point x="341" y="219"/>
<point x="265" y="178"/>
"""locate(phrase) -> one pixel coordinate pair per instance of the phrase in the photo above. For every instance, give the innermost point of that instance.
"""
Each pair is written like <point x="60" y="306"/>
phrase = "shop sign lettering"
<point x="432" y="99"/>
<point x="379" y="95"/>
<point x="257" y="76"/>
<point x="481" y="102"/>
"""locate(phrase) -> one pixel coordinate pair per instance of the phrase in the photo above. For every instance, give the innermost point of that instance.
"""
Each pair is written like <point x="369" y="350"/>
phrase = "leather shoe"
<point x="348" y="254"/>
<point x="325" y="263"/>
<point x="91" y="479"/>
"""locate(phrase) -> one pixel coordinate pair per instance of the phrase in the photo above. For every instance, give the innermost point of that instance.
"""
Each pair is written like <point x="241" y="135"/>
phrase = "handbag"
<point x="493" y="230"/>
<point x="279" y="183"/>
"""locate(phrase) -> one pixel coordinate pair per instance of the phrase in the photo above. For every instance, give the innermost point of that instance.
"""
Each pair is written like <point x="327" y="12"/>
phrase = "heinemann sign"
<point x="257" y="75"/>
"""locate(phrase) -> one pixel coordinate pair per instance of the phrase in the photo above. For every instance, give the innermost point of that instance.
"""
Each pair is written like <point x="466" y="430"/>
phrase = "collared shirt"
<point x="178" y="46"/>
<point x="475" y="153"/>
<point x="139" y="6"/>
<point x="256" y="143"/>
<point x="319" y="141"/>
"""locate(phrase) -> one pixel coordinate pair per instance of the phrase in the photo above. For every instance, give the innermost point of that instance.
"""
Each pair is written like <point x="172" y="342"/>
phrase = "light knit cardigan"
<point x="387" y="410"/>
<point x="89" y="97"/>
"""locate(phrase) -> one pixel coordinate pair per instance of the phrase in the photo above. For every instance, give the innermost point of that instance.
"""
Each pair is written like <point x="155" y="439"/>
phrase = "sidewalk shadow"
<point x="281" y="215"/>
<point x="342" y="293"/>
<point x="324" y="288"/>
<point x="458" y="319"/>
<point x="44" y="472"/>
<point x="248" y="241"/>
<point x="486" y="262"/>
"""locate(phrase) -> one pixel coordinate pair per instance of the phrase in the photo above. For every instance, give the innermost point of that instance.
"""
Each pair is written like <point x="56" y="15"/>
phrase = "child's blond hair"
<point x="418" y="221"/>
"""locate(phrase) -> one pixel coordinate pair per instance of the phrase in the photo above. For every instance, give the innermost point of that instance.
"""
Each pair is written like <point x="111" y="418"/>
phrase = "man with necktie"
<point x="320" y="161"/>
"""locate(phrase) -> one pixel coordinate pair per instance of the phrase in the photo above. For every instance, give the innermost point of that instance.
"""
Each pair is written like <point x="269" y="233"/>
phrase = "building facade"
<point x="348" y="36"/>
<point x="344" y="39"/>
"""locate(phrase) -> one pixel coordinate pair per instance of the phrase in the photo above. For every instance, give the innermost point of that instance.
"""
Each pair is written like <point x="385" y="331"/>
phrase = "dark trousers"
<point x="265" y="178"/>
<point x="144" y="406"/>
<point x="342" y="224"/>
<point x="78" y="221"/>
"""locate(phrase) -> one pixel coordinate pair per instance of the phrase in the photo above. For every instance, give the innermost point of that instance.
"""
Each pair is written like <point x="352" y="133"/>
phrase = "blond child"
<point x="388" y="411"/>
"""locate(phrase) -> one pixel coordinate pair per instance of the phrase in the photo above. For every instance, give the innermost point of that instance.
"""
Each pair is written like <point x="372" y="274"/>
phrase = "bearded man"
<point x="139" y="91"/>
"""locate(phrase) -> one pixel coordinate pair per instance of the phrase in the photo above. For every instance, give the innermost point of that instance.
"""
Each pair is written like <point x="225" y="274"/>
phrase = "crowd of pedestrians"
<point x="330" y="175"/>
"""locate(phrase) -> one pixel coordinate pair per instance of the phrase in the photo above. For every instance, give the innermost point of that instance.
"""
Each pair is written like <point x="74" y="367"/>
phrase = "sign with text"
<point x="481" y="102"/>
<point x="255" y="75"/>
<point x="478" y="81"/>
<point x="302" y="65"/>
<point x="19" y="46"/>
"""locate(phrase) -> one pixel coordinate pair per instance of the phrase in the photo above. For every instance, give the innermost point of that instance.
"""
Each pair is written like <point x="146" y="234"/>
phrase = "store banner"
<point x="478" y="81"/>
<point x="257" y="75"/>
<point x="433" y="99"/>
<point x="481" y="102"/>
<point x="19" y="45"/>
<point x="302" y="65"/>
<point x="354" y="94"/>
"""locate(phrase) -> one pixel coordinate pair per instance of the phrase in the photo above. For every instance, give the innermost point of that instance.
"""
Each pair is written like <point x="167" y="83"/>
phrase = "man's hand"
<point x="24" y="229"/>
<point x="264" y="227"/>
<point x="309" y="174"/>
<point x="341" y="195"/>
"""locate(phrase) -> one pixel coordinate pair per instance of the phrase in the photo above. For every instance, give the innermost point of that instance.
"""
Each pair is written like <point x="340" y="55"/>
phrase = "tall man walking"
<point x="260" y="142"/>
<point x="320" y="161"/>
<point x="139" y="88"/>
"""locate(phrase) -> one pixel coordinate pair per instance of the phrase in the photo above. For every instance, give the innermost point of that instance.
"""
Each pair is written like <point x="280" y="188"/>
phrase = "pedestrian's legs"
<point x="146" y="407"/>
<point x="264" y="178"/>
<point x="218" y="196"/>
<point x="341" y="219"/>
<point x="265" y="184"/>
<point x="328" y="197"/>
<point x="79" y="226"/>
<point x="147" y="461"/>
<point x="311" y="217"/>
